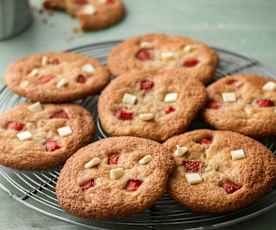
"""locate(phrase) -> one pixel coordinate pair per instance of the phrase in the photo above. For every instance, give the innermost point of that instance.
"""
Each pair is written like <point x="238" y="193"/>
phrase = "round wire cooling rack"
<point x="37" y="189"/>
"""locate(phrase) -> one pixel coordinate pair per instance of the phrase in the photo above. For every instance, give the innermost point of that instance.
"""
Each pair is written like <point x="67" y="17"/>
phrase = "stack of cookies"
<point x="157" y="88"/>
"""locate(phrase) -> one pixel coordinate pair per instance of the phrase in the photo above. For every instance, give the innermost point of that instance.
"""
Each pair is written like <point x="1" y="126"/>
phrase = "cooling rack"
<point x="37" y="189"/>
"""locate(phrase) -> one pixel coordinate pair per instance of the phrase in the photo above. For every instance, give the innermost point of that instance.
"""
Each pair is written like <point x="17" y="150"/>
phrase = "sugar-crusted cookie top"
<point x="218" y="170"/>
<point x="56" y="76"/>
<point x="35" y="136"/>
<point x="243" y="103"/>
<point x="150" y="104"/>
<point x="160" y="51"/>
<point x="114" y="177"/>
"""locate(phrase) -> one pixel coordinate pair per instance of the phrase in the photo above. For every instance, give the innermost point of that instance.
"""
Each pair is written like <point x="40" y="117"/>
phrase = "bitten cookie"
<point x="219" y="171"/>
<point x="161" y="51"/>
<point x="35" y="136"/>
<point x="56" y="77"/>
<point x="92" y="14"/>
<point x="243" y="103"/>
<point x="114" y="177"/>
<point x="150" y="104"/>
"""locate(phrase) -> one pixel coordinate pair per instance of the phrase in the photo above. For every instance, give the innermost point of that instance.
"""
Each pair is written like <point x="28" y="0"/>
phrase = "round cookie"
<point x="150" y="104"/>
<point x="35" y="136"/>
<point x="92" y="14"/>
<point x="56" y="77"/>
<point x="243" y="103"/>
<point x="161" y="51"/>
<point x="114" y="177"/>
<point x="219" y="171"/>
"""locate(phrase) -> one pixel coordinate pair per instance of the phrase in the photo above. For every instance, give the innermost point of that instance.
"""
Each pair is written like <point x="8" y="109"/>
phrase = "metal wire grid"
<point x="37" y="189"/>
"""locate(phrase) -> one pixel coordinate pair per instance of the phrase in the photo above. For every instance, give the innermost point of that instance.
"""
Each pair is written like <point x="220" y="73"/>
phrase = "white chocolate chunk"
<point x="24" y="84"/>
<point x="44" y="60"/>
<point x="146" y="45"/>
<point x="237" y="154"/>
<point x="36" y="107"/>
<point x="88" y="68"/>
<point x="229" y="97"/>
<point x="88" y="9"/>
<point x="146" y="116"/>
<point x="23" y="136"/>
<point x="193" y="178"/>
<point x="33" y="73"/>
<point x="269" y="86"/>
<point x="248" y="110"/>
<point x="94" y="162"/>
<point x="116" y="173"/>
<point x="129" y="99"/>
<point x="64" y="131"/>
<point x="168" y="55"/>
<point x="145" y="160"/>
<point x="188" y="49"/>
<point x="62" y="82"/>
<point x="170" y="97"/>
<point x="180" y="150"/>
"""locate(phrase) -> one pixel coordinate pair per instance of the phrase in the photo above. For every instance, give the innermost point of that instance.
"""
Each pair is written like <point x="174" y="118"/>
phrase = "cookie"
<point x="36" y="136"/>
<point x="56" y="77"/>
<point x="114" y="177"/>
<point x="92" y="14"/>
<point x="219" y="171"/>
<point x="161" y="51"/>
<point x="150" y="104"/>
<point x="243" y="103"/>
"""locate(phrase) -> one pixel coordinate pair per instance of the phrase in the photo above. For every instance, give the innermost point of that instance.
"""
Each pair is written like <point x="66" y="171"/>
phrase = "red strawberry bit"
<point x="81" y="2"/>
<point x="124" y="115"/>
<point x="133" y="185"/>
<point x="18" y="126"/>
<point x="233" y="82"/>
<point x="212" y="104"/>
<point x="265" y="102"/>
<point x="54" y="61"/>
<point x="190" y="63"/>
<point x="144" y="55"/>
<point x="146" y="85"/>
<point x="113" y="159"/>
<point x="110" y="1"/>
<point x="230" y="187"/>
<point x="51" y="145"/>
<point x="45" y="79"/>
<point x="59" y="114"/>
<point x="205" y="141"/>
<point x="169" y="109"/>
<point x="81" y="78"/>
<point x="192" y="165"/>
<point x="87" y="185"/>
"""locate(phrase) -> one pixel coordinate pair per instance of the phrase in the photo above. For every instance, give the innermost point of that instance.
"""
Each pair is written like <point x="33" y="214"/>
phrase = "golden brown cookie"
<point x="243" y="103"/>
<point x="150" y="104"/>
<point x="56" y="77"/>
<point x="114" y="177"/>
<point x="219" y="171"/>
<point x="92" y="14"/>
<point x="161" y="51"/>
<point x="35" y="136"/>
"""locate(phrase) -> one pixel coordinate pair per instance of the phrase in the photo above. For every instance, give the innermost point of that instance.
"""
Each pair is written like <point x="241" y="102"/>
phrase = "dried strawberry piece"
<point x="205" y="141"/>
<point x="234" y="82"/>
<point x="124" y="115"/>
<point x="81" y="78"/>
<point x="59" y="114"/>
<point x="190" y="62"/>
<point x="212" y="104"/>
<point x="110" y="1"/>
<point x="113" y="159"/>
<point x="81" y="2"/>
<point x="146" y="85"/>
<point x="169" y="109"/>
<point x="230" y="187"/>
<point x="46" y="78"/>
<point x="87" y="185"/>
<point x="192" y="165"/>
<point x="54" y="61"/>
<point x="265" y="102"/>
<point x="144" y="55"/>
<point x="133" y="185"/>
<point x="51" y="145"/>
<point x="18" y="126"/>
